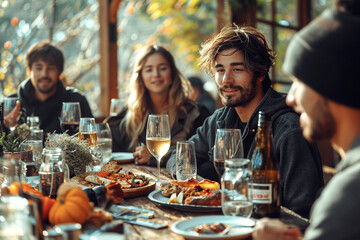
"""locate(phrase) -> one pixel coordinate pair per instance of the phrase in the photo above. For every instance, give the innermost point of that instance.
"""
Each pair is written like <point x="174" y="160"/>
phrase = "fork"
<point x="227" y="230"/>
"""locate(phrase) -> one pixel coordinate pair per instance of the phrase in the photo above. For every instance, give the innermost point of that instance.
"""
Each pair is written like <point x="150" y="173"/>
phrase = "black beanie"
<point x="325" y="55"/>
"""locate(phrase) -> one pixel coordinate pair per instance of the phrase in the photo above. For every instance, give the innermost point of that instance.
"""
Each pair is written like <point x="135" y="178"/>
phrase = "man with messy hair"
<point x="240" y="59"/>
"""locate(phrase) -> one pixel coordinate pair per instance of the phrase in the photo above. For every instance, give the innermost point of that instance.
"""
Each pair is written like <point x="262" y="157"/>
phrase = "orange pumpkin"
<point x="72" y="207"/>
<point x="47" y="204"/>
<point x="26" y="188"/>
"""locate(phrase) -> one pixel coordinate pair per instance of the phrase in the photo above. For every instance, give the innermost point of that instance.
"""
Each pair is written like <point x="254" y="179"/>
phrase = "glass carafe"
<point x="236" y="188"/>
<point x="53" y="171"/>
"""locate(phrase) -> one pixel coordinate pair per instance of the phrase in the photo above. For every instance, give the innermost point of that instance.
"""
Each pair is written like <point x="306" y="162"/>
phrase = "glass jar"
<point x="236" y="188"/>
<point x="12" y="169"/>
<point x="15" y="219"/>
<point x="53" y="171"/>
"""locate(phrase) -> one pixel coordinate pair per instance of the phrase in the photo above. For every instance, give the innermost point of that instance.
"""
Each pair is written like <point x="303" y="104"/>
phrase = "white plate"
<point x="122" y="157"/>
<point x="185" y="228"/>
<point x="157" y="198"/>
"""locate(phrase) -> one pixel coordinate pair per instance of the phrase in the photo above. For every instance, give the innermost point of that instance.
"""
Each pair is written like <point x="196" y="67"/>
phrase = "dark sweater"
<point x="298" y="161"/>
<point x="49" y="110"/>
<point x="183" y="128"/>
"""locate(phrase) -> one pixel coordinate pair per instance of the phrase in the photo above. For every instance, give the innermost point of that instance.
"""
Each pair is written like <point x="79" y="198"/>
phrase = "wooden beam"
<point x="108" y="52"/>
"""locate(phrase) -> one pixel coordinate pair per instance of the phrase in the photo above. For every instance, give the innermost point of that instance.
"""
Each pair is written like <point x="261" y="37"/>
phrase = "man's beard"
<point x="46" y="90"/>
<point x="322" y="124"/>
<point x="246" y="94"/>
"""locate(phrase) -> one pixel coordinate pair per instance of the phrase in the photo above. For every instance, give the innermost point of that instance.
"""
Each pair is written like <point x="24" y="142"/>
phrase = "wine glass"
<point x="104" y="140"/>
<point x="9" y="105"/>
<point x="158" y="138"/>
<point x="87" y="132"/>
<point x="70" y="117"/>
<point x="185" y="160"/>
<point x="116" y="105"/>
<point x="236" y="188"/>
<point x="228" y="145"/>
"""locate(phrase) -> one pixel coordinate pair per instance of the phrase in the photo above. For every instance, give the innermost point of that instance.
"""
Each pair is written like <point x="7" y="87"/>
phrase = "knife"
<point x="119" y="208"/>
<point x="140" y="222"/>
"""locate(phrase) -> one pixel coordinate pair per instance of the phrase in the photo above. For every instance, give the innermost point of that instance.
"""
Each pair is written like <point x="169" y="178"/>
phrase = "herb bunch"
<point x="77" y="153"/>
<point x="11" y="140"/>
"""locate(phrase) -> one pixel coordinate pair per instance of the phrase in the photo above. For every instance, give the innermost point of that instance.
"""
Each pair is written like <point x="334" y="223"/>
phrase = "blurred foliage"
<point x="184" y="24"/>
<point x="72" y="26"/>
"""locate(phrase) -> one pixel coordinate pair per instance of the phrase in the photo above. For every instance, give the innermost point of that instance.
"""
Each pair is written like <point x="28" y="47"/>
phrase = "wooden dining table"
<point x="169" y="215"/>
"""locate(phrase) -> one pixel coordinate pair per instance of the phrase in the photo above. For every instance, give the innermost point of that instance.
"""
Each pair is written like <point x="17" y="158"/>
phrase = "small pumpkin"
<point x="25" y="187"/>
<point x="47" y="204"/>
<point x="71" y="207"/>
<point x="64" y="188"/>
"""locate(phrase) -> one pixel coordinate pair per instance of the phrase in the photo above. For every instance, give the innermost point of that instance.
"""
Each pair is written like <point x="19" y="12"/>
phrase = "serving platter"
<point x="157" y="198"/>
<point x="128" y="192"/>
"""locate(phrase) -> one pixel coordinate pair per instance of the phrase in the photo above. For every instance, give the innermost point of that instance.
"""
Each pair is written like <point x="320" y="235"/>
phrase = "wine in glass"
<point x="87" y="133"/>
<point x="158" y="138"/>
<point x="70" y="117"/>
<point x="228" y="145"/>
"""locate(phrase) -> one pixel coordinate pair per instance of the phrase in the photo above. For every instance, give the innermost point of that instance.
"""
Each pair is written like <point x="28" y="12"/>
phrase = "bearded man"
<point x="42" y="94"/>
<point x="239" y="58"/>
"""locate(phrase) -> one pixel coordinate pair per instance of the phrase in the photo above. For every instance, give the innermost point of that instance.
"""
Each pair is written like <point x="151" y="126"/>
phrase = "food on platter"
<point x="168" y="189"/>
<point x="193" y="192"/>
<point x="213" y="228"/>
<point x="210" y="200"/>
<point x="204" y="184"/>
<point x="111" y="171"/>
<point x="176" y="198"/>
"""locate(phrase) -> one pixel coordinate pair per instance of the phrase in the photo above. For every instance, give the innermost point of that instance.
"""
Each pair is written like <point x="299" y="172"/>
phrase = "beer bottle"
<point x="266" y="187"/>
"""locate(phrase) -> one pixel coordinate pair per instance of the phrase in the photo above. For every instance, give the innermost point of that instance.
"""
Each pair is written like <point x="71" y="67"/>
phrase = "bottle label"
<point x="262" y="193"/>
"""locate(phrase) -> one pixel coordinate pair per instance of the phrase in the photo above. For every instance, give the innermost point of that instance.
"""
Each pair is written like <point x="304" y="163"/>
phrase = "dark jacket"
<point x="298" y="161"/>
<point x="182" y="129"/>
<point x="49" y="110"/>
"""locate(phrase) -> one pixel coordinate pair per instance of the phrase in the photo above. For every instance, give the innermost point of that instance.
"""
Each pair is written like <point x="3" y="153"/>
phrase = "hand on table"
<point x="11" y="119"/>
<point x="274" y="229"/>
<point x="142" y="155"/>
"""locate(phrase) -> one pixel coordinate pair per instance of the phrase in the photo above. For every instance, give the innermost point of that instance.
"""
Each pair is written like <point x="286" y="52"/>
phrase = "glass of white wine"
<point x="87" y="132"/>
<point x="158" y="138"/>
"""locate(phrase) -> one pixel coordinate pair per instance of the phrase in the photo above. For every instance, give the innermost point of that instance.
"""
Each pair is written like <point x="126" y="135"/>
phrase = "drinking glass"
<point x="53" y="171"/>
<point x="36" y="134"/>
<point x="158" y="138"/>
<point x="70" y="117"/>
<point x="116" y="105"/>
<point x="185" y="160"/>
<point x="87" y="132"/>
<point x="11" y="170"/>
<point x="104" y="140"/>
<point x="228" y="145"/>
<point x="236" y="188"/>
<point x="9" y="105"/>
<point x="15" y="219"/>
<point x="31" y="155"/>
<point x="33" y="122"/>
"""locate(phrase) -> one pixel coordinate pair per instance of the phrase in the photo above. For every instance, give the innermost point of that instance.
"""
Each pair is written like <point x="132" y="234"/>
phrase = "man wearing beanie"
<point x="323" y="60"/>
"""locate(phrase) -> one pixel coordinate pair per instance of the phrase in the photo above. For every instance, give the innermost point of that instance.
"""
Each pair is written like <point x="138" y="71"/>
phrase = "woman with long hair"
<point x="156" y="87"/>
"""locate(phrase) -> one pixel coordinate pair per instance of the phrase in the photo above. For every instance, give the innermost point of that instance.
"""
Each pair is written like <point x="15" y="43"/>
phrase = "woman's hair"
<point x="258" y="56"/>
<point x="139" y="102"/>
<point x="47" y="52"/>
